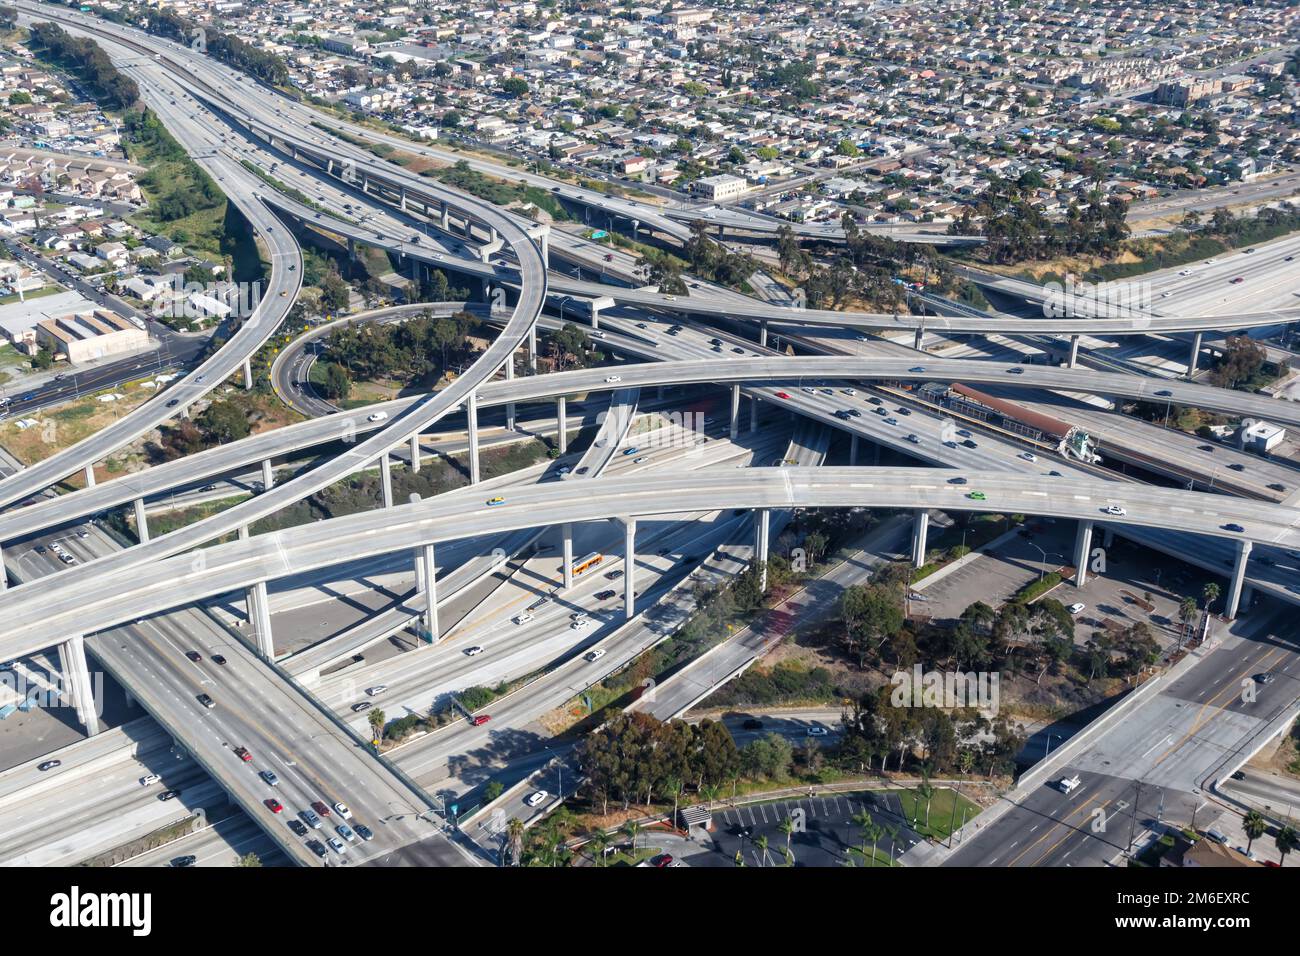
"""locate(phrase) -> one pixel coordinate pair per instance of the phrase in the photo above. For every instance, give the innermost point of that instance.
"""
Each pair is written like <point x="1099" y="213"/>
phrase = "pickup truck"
<point x="1068" y="784"/>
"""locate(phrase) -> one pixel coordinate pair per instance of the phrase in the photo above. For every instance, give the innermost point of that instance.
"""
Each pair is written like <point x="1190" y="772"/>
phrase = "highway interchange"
<point x="145" y="599"/>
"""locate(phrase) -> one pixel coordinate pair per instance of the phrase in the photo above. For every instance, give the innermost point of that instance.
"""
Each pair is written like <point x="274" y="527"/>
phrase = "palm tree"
<point x="1286" y="842"/>
<point x="377" y="720"/>
<point x="599" y="841"/>
<point x="760" y="844"/>
<point x="1210" y="594"/>
<point x="1255" y="826"/>
<point x="515" y="840"/>
<point x="787" y="828"/>
<point x="632" y="830"/>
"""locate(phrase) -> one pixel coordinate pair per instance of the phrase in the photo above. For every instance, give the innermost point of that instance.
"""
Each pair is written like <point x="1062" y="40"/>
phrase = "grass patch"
<point x="938" y="816"/>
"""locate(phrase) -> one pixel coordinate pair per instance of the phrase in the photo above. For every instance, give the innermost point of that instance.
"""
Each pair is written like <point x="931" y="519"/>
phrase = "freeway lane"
<point x="768" y="371"/>
<point x="71" y="603"/>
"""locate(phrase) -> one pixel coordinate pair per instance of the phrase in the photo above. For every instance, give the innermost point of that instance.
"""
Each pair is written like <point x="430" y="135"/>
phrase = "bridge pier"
<point x="427" y="573"/>
<point x="268" y="475"/>
<point x="141" y="522"/>
<point x="386" y="478"/>
<point x="471" y="410"/>
<point x="1194" y="356"/>
<point x="762" y="333"/>
<point x="561" y="425"/>
<point x="259" y="615"/>
<point x="248" y="374"/>
<point x="761" y="528"/>
<point x="510" y="406"/>
<point x="1074" y="352"/>
<point x="446" y="219"/>
<point x="77" y="684"/>
<point x="753" y="413"/>
<point x="735" y="411"/>
<point x="4" y="574"/>
<point x="920" y="336"/>
<point x="1082" y="551"/>
<point x="90" y="476"/>
<point x="920" y="530"/>
<point x="853" y="450"/>
<point x="532" y="348"/>
<point x="415" y="453"/>
<point x="1237" y="580"/>
<point x="629" y="568"/>
<point x="566" y="553"/>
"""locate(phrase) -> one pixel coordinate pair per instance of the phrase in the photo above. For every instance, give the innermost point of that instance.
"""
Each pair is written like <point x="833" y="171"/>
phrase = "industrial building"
<point x="88" y="336"/>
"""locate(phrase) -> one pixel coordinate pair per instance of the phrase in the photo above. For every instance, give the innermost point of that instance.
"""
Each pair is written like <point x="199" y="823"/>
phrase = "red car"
<point x="320" y="808"/>
<point x="662" y="860"/>
<point x="782" y="394"/>
<point x="274" y="805"/>
<point x="480" y="720"/>
<point x="243" y="754"/>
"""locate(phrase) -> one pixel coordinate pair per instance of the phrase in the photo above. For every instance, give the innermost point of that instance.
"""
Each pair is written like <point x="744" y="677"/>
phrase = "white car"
<point x="1116" y="510"/>
<point x="1028" y="456"/>
<point x="817" y="730"/>
<point x="594" y="655"/>
<point x="640" y="461"/>
<point x="536" y="797"/>
<point x="1185" y="272"/>
<point x="343" y="811"/>
<point x="522" y="618"/>
<point x="611" y="379"/>
<point x="473" y="651"/>
<point x="338" y="846"/>
<point x="377" y="417"/>
<point x="1076" y="608"/>
<point x="850" y="391"/>
<point x="376" y="690"/>
<point x="580" y="623"/>
<point x="149" y="779"/>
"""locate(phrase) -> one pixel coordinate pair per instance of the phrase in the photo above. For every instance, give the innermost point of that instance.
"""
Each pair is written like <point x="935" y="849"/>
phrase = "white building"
<point x="720" y="188"/>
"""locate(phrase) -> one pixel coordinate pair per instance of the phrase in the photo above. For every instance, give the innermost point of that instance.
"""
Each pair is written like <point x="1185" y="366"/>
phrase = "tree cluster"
<point x="113" y="90"/>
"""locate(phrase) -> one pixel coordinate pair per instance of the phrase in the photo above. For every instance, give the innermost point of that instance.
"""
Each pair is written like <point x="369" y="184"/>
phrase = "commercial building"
<point x="720" y="188"/>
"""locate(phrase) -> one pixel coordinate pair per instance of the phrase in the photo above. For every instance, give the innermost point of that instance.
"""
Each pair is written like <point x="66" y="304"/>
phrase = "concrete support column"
<point x="595" y="317"/>
<point x="77" y="683"/>
<point x="761" y="527"/>
<point x="561" y="425"/>
<point x="753" y="413"/>
<point x="1238" y="578"/>
<point x="735" y="411"/>
<point x="141" y="522"/>
<point x="446" y="219"/>
<point x="268" y="475"/>
<point x="920" y="529"/>
<point x="259" y="615"/>
<point x="4" y="574"/>
<point x="415" y="453"/>
<point x="762" y="333"/>
<point x="386" y="478"/>
<point x="1074" y="352"/>
<point x="352" y="249"/>
<point x="90" y="476"/>
<point x="510" y="406"/>
<point x="1107" y="536"/>
<point x="401" y="199"/>
<point x="629" y="568"/>
<point x="532" y="348"/>
<point x="566" y="553"/>
<point x="853" y="449"/>
<point x="920" y="336"/>
<point x="471" y="408"/>
<point x="1082" y="550"/>
<point x="248" y="373"/>
<point x="428" y="572"/>
<point x="1194" y="355"/>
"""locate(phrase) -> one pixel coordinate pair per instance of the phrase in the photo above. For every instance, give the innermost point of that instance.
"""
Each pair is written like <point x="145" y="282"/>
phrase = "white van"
<point x="376" y="690"/>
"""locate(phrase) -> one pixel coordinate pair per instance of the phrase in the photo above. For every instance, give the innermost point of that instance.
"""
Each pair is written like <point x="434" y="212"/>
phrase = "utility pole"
<point x="1133" y="822"/>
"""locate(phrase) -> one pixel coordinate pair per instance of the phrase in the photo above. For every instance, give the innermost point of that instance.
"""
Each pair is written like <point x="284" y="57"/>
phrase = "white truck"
<point x="1068" y="784"/>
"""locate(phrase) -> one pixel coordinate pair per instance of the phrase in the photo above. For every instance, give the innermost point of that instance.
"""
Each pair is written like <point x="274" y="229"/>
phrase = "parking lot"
<point x="827" y="832"/>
